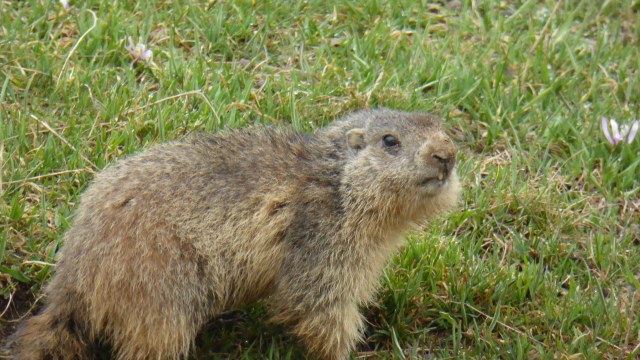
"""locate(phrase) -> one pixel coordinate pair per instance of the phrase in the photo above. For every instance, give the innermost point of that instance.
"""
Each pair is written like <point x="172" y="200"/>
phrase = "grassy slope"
<point x="541" y="260"/>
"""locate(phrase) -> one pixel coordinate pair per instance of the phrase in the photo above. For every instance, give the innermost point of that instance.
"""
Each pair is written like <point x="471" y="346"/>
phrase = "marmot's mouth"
<point x="439" y="181"/>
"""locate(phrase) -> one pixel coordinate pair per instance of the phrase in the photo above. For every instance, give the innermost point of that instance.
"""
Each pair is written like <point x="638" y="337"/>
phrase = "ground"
<point x="540" y="260"/>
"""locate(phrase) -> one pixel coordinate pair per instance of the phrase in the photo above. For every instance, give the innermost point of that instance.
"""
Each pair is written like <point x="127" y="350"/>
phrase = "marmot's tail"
<point x="52" y="334"/>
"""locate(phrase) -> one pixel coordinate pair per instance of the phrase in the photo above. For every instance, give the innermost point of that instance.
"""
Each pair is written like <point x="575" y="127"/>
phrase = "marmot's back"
<point x="224" y="167"/>
<point x="232" y="193"/>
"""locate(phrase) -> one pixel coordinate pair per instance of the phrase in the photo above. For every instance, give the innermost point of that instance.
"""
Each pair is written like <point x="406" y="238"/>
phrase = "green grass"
<point x="542" y="258"/>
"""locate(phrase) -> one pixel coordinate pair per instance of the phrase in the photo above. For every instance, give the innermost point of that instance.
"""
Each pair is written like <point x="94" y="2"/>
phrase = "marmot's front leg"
<point x="332" y="332"/>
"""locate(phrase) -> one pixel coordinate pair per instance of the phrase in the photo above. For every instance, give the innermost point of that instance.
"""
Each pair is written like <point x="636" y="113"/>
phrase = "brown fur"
<point x="169" y="238"/>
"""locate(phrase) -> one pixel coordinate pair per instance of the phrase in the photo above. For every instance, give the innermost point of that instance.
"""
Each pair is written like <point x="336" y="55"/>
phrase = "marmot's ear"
<point x="355" y="139"/>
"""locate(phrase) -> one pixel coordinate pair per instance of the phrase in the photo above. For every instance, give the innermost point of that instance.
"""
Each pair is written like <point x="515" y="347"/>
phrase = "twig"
<point x="30" y="311"/>
<point x="1" y="165"/>
<point x="609" y="343"/>
<point x="520" y="332"/>
<point x="64" y="140"/>
<point x="96" y="103"/>
<point x="546" y="26"/>
<point x="75" y="171"/>
<point x="369" y="354"/>
<point x="635" y="349"/>
<point x="192" y="92"/>
<point x="375" y="85"/>
<point x="631" y="317"/>
<point x="36" y="262"/>
<point x="73" y="49"/>
<point x="256" y="111"/>
<point x="8" y="304"/>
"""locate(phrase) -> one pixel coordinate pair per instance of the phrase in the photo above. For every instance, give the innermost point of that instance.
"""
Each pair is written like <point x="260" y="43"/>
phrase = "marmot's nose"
<point x="445" y="158"/>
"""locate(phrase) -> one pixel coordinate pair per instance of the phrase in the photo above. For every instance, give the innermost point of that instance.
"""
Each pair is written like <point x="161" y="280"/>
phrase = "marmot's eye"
<point x="390" y="141"/>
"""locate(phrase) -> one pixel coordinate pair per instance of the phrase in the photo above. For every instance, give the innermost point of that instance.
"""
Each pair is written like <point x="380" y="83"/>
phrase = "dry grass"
<point x="540" y="261"/>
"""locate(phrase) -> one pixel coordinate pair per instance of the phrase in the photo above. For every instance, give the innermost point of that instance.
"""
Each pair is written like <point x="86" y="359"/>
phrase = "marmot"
<point x="167" y="239"/>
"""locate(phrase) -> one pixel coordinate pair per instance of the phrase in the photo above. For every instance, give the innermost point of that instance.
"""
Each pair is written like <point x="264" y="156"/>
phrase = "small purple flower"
<point x="65" y="4"/>
<point x="139" y="52"/>
<point x="618" y="133"/>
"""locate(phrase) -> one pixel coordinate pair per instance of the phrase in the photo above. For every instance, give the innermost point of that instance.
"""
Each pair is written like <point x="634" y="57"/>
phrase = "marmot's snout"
<point x="439" y="155"/>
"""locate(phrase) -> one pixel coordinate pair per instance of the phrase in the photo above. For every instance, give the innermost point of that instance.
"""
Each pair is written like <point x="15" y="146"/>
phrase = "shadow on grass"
<point x="239" y="334"/>
<point x="246" y="334"/>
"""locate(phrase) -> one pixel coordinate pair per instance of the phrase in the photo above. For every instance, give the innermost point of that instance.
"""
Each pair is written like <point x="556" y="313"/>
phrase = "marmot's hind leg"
<point x="150" y="300"/>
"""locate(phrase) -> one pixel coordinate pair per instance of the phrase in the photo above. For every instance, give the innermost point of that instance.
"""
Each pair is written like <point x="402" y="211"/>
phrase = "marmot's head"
<point x="400" y="163"/>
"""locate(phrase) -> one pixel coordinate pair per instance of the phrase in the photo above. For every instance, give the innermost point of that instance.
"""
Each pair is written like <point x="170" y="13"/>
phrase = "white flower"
<point x="618" y="133"/>
<point x="65" y="4"/>
<point x="139" y="52"/>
